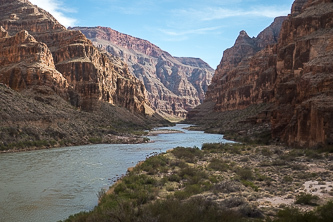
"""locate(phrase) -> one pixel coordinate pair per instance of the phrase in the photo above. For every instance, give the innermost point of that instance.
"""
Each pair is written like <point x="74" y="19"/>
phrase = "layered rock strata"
<point x="295" y="75"/>
<point x="174" y="85"/>
<point x="246" y="74"/>
<point x="304" y="85"/>
<point x="91" y="75"/>
<point x="24" y="62"/>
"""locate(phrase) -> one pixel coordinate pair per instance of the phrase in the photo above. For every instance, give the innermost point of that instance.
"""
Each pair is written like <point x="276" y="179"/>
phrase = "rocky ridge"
<point x="90" y="73"/>
<point x="245" y="75"/>
<point x="67" y="92"/>
<point x="174" y="85"/>
<point x="293" y="77"/>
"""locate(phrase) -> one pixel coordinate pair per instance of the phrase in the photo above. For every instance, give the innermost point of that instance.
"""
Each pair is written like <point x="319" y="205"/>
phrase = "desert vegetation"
<point x="222" y="182"/>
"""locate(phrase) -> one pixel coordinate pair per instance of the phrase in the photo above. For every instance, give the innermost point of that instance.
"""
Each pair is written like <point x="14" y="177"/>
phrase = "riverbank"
<point x="163" y="131"/>
<point x="244" y="182"/>
<point x="38" y="118"/>
<point x="107" y="139"/>
<point x="52" y="184"/>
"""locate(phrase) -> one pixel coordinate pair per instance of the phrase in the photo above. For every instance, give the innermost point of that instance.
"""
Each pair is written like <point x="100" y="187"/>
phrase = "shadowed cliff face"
<point x="174" y="85"/>
<point x="91" y="75"/>
<point x="246" y="74"/>
<point x="304" y="86"/>
<point x="294" y="75"/>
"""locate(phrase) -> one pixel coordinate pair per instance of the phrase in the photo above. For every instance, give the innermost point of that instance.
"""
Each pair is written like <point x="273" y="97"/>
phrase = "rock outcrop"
<point x="58" y="89"/>
<point x="91" y="75"/>
<point x="24" y="62"/>
<point x="174" y="85"/>
<point x="304" y="85"/>
<point x="294" y="76"/>
<point x="246" y="74"/>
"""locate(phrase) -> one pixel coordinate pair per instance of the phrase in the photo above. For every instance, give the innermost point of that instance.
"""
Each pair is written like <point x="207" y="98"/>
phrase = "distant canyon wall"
<point x="174" y="85"/>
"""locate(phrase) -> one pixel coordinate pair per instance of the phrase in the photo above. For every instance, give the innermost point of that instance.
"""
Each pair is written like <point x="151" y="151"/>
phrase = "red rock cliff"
<point x="295" y="74"/>
<point x="24" y="62"/>
<point x="174" y="85"/>
<point x="304" y="86"/>
<point x="246" y="74"/>
<point x="91" y="74"/>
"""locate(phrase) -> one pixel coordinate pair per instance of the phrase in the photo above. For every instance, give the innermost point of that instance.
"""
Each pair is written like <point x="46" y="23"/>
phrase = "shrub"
<point x="321" y="214"/>
<point x="250" y="184"/>
<point x="325" y="212"/>
<point x="266" y="152"/>
<point x="244" y="173"/>
<point x="195" y="210"/>
<point x="154" y="163"/>
<point x="287" y="179"/>
<point x="227" y="187"/>
<point x="174" y="178"/>
<point x="299" y="167"/>
<point x="218" y="165"/>
<point x="224" y="147"/>
<point x="244" y="159"/>
<point x="193" y="175"/>
<point x="188" y="154"/>
<point x="279" y="162"/>
<point x="307" y="199"/>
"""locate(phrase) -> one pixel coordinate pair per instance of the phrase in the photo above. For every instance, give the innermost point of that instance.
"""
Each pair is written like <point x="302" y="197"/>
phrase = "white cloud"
<point x="56" y="8"/>
<point x="209" y="14"/>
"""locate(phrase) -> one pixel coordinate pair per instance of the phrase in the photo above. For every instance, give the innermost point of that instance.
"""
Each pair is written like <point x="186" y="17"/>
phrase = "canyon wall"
<point x="246" y="74"/>
<point x="90" y="74"/>
<point x="174" y="85"/>
<point x="304" y="85"/>
<point x="287" y="67"/>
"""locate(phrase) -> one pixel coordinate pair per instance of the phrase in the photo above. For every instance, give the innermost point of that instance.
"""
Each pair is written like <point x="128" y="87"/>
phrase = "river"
<point x="50" y="185"/>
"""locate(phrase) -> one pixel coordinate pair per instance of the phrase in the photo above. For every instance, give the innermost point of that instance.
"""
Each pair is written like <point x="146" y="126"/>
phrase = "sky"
<point x="187" y="28"/>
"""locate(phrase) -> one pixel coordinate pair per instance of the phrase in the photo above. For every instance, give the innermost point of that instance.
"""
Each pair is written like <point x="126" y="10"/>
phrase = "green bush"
<point x="245" y="173"/>
<point x="233" y="148"/>
<point x="154" y="164"/>
<point x="174" y="178"/>
<point x="320" y="214"/>
<point x="194" y="210"/>
<point x="287" y="179"/>
<point x="307" y="199"/>
<point x="193" y="175"/>
<point x="250" y="184"/>
<point x="188" y="154"/>
<point x="218" y="165"/>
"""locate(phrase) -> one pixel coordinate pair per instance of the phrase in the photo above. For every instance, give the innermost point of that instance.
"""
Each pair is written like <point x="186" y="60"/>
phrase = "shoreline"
<point x="163" y="131"/>
<point x="108" y="139"/>
<point x="253" y="176"/>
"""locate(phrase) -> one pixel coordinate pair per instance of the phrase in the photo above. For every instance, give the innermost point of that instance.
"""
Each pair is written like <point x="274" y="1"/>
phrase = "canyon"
<point x="57" y="86"/>
<point x="276" y="87"/>
<point x="175" y="85"/>
<point x="278" y="84"/>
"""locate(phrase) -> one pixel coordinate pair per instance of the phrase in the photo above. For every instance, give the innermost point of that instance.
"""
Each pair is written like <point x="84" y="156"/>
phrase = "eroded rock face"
<point x="174" y="85"/>
<point x="304" y="86"/>
<point x="246" y="74"/>
<point x="295" y="75"/>
<point x="24" y="62"/>
<point x="91" y="74"/>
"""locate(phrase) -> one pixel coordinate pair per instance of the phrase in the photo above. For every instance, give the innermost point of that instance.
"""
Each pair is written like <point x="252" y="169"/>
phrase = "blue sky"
<point x="188" y="28"/>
